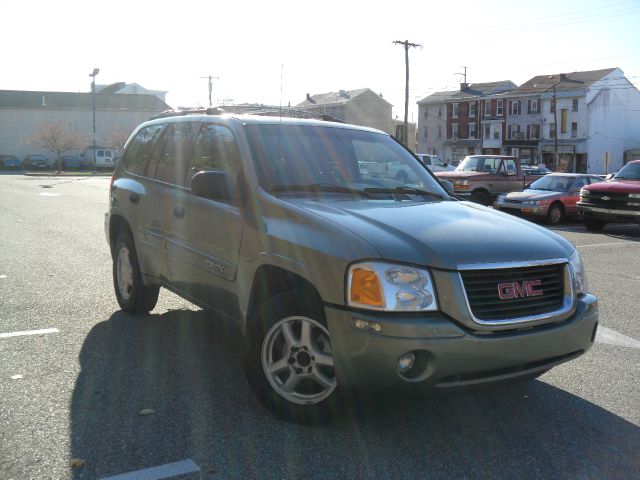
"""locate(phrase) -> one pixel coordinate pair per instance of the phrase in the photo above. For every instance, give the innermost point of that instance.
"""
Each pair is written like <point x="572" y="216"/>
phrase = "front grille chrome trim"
<point x="568" y="303"/>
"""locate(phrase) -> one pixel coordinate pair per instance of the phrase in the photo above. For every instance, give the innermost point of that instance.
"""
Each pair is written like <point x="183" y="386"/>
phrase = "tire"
<point x="555" y="214"/>
<point x="594" y="225"/>
<point x="481" y="197"/>
<point x="288" y="337"/>
<point x="132" y="294"/>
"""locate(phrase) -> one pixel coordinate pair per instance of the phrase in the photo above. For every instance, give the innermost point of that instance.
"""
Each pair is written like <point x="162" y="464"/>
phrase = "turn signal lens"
<point x="366" y="289"/>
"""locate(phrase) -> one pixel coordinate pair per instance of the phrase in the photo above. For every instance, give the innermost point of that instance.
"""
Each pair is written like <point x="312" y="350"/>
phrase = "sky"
<point x="275" y="52"/>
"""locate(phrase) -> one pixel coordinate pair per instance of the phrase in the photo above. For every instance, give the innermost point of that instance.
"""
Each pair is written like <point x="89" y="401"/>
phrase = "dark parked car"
<point x="70" y="162"/>
<point x="9" y="162"/>
<point x="552" y="197"/>
<point x="33" y="162"/>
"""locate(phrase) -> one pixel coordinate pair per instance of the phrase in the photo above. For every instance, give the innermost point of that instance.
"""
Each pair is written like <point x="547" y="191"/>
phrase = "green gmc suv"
<point x="340" y="280"/>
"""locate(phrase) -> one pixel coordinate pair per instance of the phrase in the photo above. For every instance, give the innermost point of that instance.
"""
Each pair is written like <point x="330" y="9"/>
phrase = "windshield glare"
<point x="306" y="155"/>
<point x="553" y="183"/>
<point x="630" y="171"/>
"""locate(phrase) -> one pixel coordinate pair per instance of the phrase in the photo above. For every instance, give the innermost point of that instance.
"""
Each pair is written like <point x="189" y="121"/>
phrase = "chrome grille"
<point x="483" y="296"/>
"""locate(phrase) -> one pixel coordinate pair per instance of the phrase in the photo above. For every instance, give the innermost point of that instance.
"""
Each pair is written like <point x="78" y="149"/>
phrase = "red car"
<point x="552" y="197"/>
<point x="613" y="201"/>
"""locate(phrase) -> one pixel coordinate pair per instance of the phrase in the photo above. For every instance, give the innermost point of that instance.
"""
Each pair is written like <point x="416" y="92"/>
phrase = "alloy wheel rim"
<point x="297" y="360"/>
<point x="556" y="214"/>
<point x="124" y="273"/>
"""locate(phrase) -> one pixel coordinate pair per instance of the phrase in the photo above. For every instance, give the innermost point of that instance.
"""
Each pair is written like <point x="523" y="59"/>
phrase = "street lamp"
<point x="93" y="100"/>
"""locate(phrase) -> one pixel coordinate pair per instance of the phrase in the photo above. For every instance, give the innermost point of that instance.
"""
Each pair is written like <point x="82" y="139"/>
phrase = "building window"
<point x="563" y="120"/>
<point x="473" y="109"/>
<point x="472" y="130"/>
<point x="424" y="114"/>
<point x="552" y="109"/>
<point x="400" y="133"/>
<point x="533" y="106"/>
<point x="425" y="132"/>
<point x="535" y="131"/>
<point x="574" y="105"/>
<point x="552" y="130"/>
<point x="496" y="134"/>
<point x="515" y="107"/>
<point x="487" y="108"/>
<point x="454" y="130"/>
<point x="574" y="129"/>
<point x="499" y="108"/>
<point x="487" y="131"/>
<point x="440" y="111"/>
<point x="439" y="131"/>
<point x="455" y="110"/>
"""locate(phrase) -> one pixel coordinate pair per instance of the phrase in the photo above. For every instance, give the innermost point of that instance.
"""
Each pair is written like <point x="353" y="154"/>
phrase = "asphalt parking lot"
<point x="87" y="391"/>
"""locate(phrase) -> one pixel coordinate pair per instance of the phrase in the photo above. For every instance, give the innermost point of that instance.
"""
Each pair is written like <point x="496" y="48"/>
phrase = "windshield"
<point x="631" y="171"/>
<point x="479" y="164"/>
<point x="292" y="157"/>
<point x="553" y="183"/>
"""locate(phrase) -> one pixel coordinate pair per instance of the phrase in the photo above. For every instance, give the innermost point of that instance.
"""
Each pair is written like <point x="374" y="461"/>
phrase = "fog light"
<point x="406" y="362"/>
<point x="367" y="325"/>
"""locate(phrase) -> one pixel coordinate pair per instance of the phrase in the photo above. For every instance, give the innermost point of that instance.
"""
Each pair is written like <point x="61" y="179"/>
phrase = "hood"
<point x="441" y="234"/>
<point x="460" y="174"/>
<point x="532" y="194"/>
<point x="615" y="186"/>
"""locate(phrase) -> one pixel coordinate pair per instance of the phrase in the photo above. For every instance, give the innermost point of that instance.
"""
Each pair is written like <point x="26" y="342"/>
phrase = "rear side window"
<point x="137" y="155"/>
<point x="175" y="154"/>
<point x="215" y="149"/>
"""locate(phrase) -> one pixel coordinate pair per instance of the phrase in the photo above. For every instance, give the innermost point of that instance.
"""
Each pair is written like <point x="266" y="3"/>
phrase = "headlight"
<point x="531" y="203"/>
<point x="461" y="182"/>
<point x="631" y="195"/>
<point x="579" y="275"/>
<point x="584" y="192"/>
<point x="390" y="288"/>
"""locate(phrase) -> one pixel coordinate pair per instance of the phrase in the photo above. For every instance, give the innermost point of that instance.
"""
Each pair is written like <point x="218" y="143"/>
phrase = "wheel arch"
<point x="270" y="280"/>
<point x="117" y="225"/>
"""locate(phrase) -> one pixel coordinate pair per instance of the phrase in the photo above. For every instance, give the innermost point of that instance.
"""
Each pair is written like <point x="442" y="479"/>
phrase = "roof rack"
<point x="190" y="111"/>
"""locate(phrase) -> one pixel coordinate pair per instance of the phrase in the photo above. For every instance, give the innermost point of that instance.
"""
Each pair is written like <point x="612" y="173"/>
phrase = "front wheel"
<point x="481" y="197"/>
<point x="289" y="361"/>
<point x="132" y="294"/>
<point x="555" y="214"/>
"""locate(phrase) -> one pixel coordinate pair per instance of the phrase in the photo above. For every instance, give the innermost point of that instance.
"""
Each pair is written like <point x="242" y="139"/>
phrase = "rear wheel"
<point x="288" y="359"/>
<point x="481" y="197"/>
<point x="594" y="225"/>
<point x="132" y="294"/>
<point x="555" y="214"/>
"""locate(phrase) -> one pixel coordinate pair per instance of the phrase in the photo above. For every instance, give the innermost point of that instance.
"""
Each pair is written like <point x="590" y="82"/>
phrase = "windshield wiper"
<point x="404" y="190"/>
<point x="314" y="187"/>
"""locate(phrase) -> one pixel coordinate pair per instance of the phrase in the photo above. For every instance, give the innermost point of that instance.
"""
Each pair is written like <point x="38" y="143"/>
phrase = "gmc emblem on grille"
<point x="511" y="290"/>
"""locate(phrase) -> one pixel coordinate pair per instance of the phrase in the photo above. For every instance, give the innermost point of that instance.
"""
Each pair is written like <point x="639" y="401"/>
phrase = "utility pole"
<point x="464" y="74"/>
<point x="555" y="127"/>
<point x="406" y="45"/>
<point x="210" y="87"/>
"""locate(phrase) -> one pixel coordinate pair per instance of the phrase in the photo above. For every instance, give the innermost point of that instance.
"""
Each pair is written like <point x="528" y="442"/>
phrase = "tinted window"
<point x="509" y="165"/>
<point x="579" y="183"/>
<point x="215" y="148"/>
<point x="139" y="150"/>
<point x="175" y="153"/>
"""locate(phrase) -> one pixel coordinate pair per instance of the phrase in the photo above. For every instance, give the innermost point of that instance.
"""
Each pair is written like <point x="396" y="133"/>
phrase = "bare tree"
<point x="57" y="138"/>
<point x="117" y="137"/>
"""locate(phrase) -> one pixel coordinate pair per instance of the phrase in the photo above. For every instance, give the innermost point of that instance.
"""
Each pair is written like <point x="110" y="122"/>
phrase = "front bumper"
<point x="538" y="211"/>
<point x="448" y="355"/>
<point x="608" y="214"/>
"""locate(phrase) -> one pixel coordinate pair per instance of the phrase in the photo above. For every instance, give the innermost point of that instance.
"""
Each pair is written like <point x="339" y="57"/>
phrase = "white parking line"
<point x="156" y="473"/>
<point x="29" y="332"/>
<point x="47" y="194"/>
<point x="611" y="337"/>
<point x="608" y="244"/>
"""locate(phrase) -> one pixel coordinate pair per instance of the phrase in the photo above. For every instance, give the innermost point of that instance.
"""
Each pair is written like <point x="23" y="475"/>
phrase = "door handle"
<point x="178" y="212"/>
<point x="134" y="198"/>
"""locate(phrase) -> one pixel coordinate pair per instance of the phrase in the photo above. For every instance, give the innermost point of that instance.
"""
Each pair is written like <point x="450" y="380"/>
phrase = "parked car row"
<point x="105" y="159"/>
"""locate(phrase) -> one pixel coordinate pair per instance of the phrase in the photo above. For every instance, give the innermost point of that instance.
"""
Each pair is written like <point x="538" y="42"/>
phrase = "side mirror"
<point x="445" y="164"/>
<point x="214" y="185"/>
<point x="609" y="176"/>
<point x="447" y="185"/>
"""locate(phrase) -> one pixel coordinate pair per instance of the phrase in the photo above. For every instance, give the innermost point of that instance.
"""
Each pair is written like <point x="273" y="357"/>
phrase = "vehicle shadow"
<point x="183" y="371"/>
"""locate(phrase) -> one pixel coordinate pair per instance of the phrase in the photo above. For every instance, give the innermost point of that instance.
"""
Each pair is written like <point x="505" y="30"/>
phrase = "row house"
<point x="453" y="124"/>
<point x="579" y="122"/>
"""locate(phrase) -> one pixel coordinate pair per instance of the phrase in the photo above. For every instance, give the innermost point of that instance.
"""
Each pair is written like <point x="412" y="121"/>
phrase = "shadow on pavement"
<point x="186" y="367"/>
